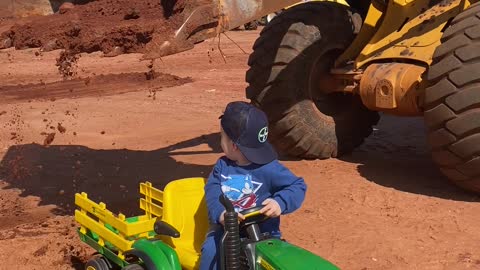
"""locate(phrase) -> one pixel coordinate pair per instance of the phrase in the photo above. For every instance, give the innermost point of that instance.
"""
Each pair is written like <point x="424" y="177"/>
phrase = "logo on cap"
<point x="263" y="134"/>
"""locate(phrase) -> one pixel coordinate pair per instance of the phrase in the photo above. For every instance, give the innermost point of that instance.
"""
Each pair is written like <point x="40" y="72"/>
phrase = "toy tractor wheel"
<point x="133" y="267"/>
<point x="452" y="101"/>
<point x="290" y="62"/>
<point x="97" y="262"/>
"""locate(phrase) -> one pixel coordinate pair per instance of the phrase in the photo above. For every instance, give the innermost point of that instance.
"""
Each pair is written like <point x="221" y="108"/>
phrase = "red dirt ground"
<point x="385" y="206"/>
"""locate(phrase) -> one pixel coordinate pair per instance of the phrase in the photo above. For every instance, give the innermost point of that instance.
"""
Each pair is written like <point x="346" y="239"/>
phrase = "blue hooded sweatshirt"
<point x="248" y="186"/>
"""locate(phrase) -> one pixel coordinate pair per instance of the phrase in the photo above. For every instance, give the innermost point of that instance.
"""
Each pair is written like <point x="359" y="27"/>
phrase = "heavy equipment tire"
<point x="295" y="50"/>
<point x="452" y="101"/>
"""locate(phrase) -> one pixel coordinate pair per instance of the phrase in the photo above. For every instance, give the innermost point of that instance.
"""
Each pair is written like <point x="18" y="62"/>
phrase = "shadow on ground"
<point x="56" y="173"/>
<point x="396" y="155"/>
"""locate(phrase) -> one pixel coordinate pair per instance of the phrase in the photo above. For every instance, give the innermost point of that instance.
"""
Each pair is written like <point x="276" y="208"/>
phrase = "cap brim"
<point x="263" y="155"/>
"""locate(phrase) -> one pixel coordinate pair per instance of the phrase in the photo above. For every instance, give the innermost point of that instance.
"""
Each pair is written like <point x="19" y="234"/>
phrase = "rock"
<point x="65" y="7"/>
<point x="114" y="52"/>
<point x="50" y="46"/>
<point x="6" y="43"/>
<point x="132" y="14"/>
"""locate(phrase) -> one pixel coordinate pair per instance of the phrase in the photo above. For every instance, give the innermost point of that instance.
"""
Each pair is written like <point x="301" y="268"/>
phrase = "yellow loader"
<point x="322" y="70"/>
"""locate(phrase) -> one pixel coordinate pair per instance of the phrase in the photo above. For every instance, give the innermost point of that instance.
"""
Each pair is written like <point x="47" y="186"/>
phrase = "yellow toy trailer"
<point x="168" y="230"/>
<point x="170" y="234"/>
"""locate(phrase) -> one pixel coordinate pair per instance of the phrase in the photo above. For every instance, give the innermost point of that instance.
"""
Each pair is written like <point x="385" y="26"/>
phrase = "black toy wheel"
<point x="97" y="262"/>
<point x="133" y="266"/>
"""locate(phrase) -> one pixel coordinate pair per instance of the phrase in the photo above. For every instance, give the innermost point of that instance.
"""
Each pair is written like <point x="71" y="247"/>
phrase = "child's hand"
<point x="271" y="209"/>
<point x="222" y="217"/>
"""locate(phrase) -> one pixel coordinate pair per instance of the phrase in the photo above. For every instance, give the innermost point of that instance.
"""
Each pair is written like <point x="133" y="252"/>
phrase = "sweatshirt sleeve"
<point x="289" y="190"/>
<point x="213" y="190"/>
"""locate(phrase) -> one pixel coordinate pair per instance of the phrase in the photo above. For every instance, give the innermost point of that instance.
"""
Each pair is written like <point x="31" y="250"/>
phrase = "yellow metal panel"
<point x="409" y="30"/>
<point x="467" y="3"/>
<point x="100" y="211"/>
<point x="104" y="232"/>
<point x="369" y="27"/>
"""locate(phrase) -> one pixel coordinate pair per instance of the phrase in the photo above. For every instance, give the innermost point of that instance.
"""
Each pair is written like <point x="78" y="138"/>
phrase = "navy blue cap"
<point x="247" y="127"/>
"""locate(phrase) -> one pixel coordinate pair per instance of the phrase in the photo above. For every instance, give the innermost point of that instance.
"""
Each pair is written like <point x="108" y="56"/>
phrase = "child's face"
<point x="228" y="147"/>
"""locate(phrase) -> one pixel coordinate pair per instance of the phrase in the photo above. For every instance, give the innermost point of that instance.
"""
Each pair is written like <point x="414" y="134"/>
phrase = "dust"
<point x="150" y="74"/>
<point x="51" y="127"/>
<point x="15" y="125"/>
<point x="152" y="93"/>
<point x="49" y="138"/>
<point x="10" y="58"/>
<point x="67" y="64"/>
<point x="61" y="128"/>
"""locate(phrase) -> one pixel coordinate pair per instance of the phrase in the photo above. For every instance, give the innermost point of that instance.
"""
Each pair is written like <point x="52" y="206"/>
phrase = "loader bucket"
<point x="209" y="18"/>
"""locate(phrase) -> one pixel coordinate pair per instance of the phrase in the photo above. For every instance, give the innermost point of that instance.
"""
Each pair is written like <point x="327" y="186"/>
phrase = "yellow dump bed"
<point x="181" y="204"/>
<point x="118" y="231"/>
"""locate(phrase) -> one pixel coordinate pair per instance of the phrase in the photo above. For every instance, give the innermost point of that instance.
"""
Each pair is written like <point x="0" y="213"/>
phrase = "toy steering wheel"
<point x="252" y="216"/>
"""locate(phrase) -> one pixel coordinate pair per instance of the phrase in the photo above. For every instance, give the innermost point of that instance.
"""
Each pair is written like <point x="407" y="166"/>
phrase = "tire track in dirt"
<point x="100" y="85"/>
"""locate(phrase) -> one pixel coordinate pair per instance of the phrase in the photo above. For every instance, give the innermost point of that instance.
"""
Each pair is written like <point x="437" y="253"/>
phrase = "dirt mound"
<point x="110" y="26"/>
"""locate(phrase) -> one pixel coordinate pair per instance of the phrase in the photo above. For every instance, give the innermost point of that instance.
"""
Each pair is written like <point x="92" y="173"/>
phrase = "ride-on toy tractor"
<point x="170" y="234"/>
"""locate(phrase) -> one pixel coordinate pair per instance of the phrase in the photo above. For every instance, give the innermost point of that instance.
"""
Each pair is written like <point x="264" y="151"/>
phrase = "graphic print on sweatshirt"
<point x="240" y="189"/>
